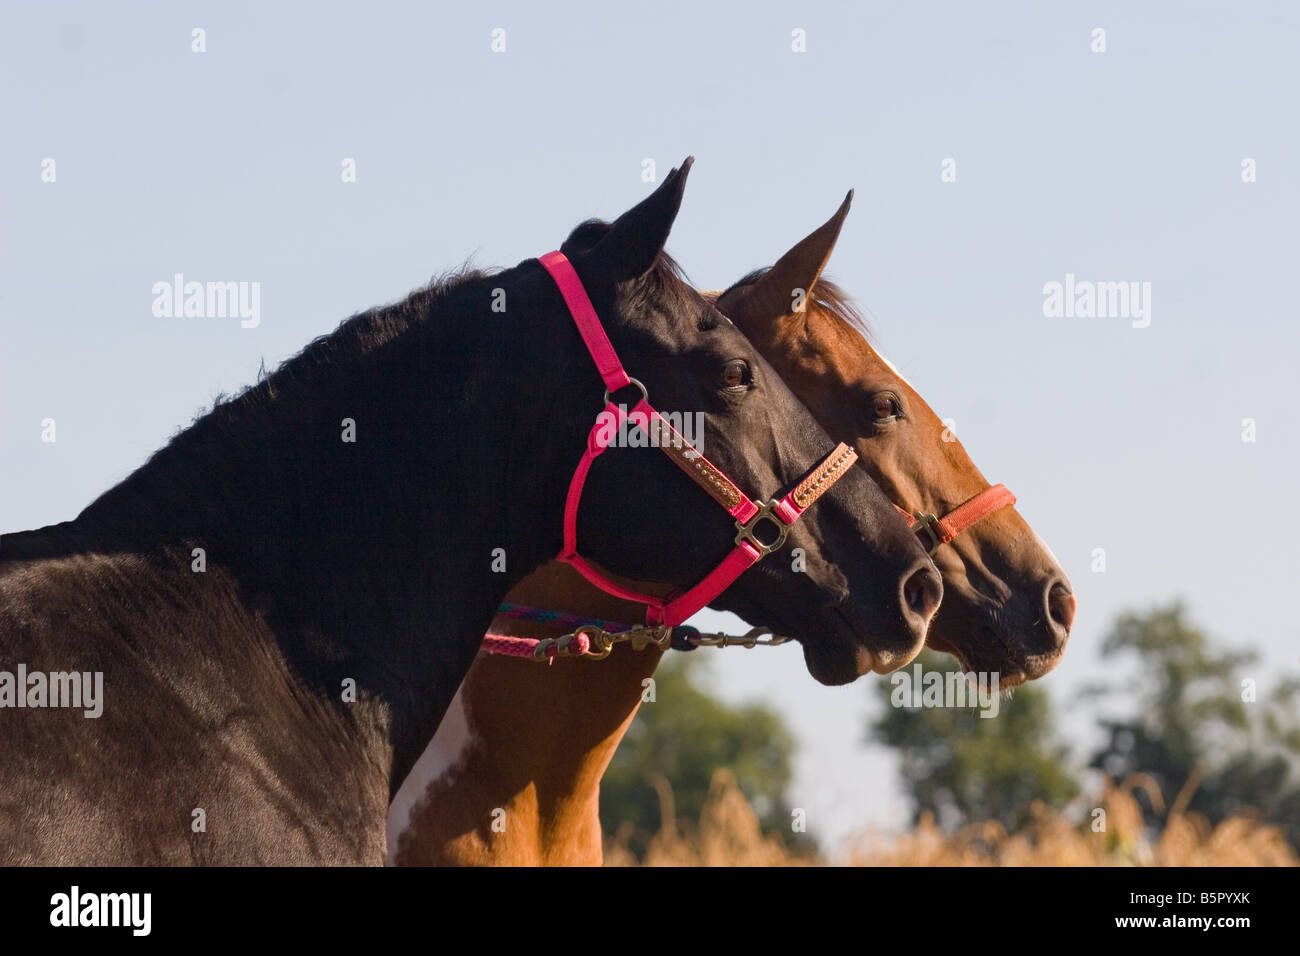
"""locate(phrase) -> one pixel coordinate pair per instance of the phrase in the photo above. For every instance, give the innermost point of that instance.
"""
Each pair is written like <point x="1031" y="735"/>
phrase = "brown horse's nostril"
<point x="1060" y="608"/>
<point x="922" y="592"/>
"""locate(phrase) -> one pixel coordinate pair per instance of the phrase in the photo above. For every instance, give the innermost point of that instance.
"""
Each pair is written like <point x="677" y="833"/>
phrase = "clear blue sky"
<point x="1123" y="165"/>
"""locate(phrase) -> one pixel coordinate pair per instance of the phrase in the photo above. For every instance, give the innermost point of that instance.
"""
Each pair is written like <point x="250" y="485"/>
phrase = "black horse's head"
<point x="852" y="583"/>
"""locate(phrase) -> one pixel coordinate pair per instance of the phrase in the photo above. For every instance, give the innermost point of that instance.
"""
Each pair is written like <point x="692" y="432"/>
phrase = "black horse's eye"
<point x="885" y="407"/>
<point x="735" y="375"/>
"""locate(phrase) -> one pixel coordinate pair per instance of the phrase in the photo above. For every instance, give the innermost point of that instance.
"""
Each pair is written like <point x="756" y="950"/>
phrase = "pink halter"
<point x="749" y="547"/>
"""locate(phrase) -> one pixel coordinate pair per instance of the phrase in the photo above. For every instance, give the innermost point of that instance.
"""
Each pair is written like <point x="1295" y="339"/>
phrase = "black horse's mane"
<point x="356" y="334"/>
<point x="373" y="327"/>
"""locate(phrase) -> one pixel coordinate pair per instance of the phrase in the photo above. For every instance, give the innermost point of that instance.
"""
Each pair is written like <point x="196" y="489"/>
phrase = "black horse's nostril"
<point x="1060" y="608"/>
<point x="922" y="591"/>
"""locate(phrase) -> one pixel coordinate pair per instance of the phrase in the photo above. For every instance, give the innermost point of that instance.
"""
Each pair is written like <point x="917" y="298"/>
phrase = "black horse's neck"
<point x="358" y="494"/>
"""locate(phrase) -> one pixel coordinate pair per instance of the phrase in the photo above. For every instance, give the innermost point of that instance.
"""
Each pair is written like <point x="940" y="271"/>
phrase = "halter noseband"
<point x="749" y="547"/>
<point x="973" y="510"/>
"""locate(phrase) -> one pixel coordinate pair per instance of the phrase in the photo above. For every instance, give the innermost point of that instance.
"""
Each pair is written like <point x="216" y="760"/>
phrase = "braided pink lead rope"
<point x="509" y="646"/>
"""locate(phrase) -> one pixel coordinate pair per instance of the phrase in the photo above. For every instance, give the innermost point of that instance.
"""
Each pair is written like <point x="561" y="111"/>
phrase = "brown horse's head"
<point x="1007" y="604"/>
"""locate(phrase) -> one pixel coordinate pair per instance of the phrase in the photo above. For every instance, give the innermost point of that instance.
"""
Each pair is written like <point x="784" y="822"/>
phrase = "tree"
<point x="683" y="736"/>
<point x="1194" y="721"/>
<point x="964" y="767"/>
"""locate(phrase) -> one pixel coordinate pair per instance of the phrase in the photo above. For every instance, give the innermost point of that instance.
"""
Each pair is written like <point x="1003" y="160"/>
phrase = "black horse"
<point x="283" y="600"/>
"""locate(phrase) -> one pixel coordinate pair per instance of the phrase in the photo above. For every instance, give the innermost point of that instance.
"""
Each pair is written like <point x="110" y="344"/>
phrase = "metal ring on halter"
<point x="745" y="529"/>
<point x="926" y="523"/>
<point x="630" y="381"/>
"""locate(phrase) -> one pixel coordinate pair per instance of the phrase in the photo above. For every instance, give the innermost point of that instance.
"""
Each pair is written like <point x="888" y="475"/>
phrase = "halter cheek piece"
<point x="750" y="544"/>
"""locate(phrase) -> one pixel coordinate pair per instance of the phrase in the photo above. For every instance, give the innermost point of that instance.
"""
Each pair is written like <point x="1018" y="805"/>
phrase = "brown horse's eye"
<point x="885" y="408"/>
<point x="735" y="375"/>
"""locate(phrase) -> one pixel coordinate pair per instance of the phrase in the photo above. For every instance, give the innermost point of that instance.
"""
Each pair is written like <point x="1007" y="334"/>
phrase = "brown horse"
<point x="513" y="775"/>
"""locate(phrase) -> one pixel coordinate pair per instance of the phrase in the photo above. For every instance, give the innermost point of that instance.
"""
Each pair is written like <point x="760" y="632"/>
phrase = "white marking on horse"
<point x="893" y="368"/>
<point x="444" y="755"/>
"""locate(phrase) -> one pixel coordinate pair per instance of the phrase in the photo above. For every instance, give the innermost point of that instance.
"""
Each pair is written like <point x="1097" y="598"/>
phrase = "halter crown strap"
<point x="585" y="318"/>
<point x="749" y="546"/>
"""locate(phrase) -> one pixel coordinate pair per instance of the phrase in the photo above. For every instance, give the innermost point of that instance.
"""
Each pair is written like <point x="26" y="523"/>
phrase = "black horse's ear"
<point x="636" y="238"/>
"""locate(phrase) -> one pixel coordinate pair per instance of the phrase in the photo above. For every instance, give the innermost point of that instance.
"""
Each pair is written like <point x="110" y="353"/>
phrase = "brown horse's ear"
<point x="782" y="289"/>
<point x="636" y="238"/>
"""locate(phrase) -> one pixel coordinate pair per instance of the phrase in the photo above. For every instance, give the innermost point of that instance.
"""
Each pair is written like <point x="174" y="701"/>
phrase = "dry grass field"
<point x="728" y="834"/>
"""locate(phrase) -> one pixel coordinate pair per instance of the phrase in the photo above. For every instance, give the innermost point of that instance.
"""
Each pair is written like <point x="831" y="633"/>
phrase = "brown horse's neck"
<point x="513" y="776"/>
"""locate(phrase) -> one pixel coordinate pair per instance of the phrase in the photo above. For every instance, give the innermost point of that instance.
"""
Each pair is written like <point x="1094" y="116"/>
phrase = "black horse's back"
<point x="188" y="742"/>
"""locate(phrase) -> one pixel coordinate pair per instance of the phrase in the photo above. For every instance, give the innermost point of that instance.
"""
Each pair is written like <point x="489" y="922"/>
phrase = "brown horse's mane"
<point x="828" y="299"/>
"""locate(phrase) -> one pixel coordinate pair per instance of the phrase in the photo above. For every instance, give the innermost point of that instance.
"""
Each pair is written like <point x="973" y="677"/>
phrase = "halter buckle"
<point x="926" y="522"/>
<point x="745" y="529"/>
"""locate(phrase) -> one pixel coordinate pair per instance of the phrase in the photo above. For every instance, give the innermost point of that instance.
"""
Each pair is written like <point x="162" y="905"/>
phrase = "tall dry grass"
<point x="728" y="834"/>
